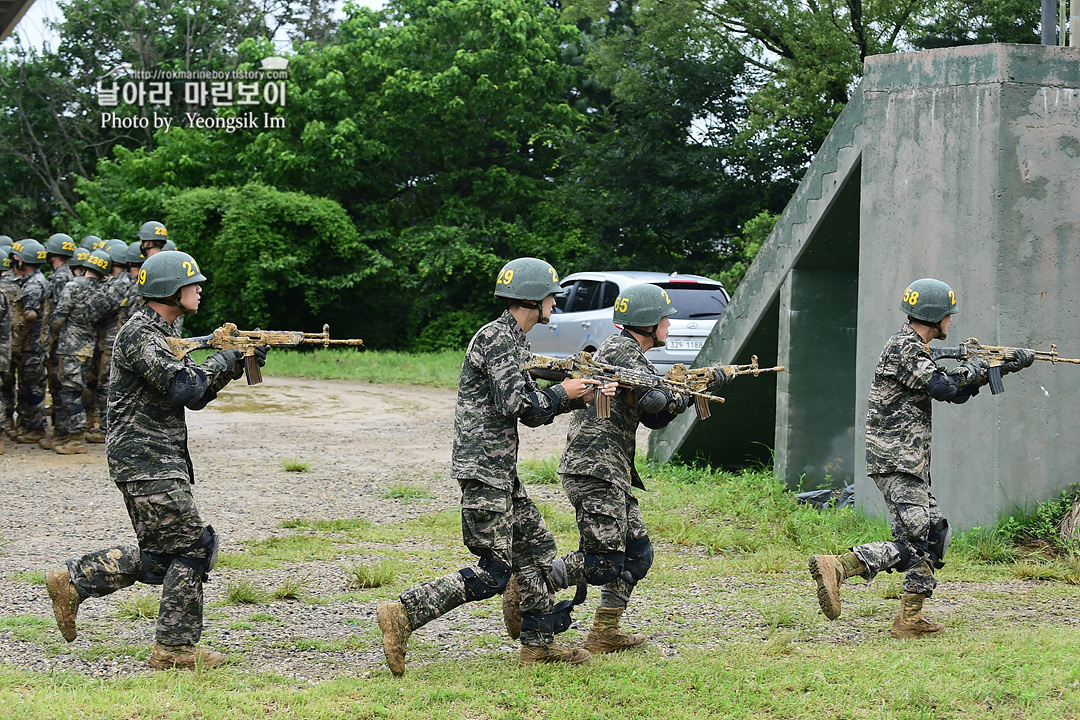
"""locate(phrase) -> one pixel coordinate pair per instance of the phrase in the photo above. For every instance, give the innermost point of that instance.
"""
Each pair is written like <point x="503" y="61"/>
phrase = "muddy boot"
<point x="70" y="444"/>
<point x="829" y="572"/>
<point x="94" y="436"/>
<point x="606" y="636"/>
<point x="185" y="657"/>
<point x="65" y="601"/>
<point x="909" y="622"/>
<point x="553" y="653"/>
<point x="29" y="436"/>
<point x="47" y="442"/>
<point x="511" y="607"/>
<point x="396" y="628"/>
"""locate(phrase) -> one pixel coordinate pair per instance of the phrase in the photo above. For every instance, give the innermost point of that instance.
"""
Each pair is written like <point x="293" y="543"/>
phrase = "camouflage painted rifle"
<point x="228" y="337"/>
<point x="699" y="379"/>
<point x="582" y="365"/>
<point x="994" y="356"/>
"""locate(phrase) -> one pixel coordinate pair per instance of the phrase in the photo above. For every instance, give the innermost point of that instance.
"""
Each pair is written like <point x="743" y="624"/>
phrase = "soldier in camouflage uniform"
<point x="10" y="291"/>
<point x="60" y="249"/>
<point x="132" y="300"/>
<point x="898" y="433"/>
<point x="597" y="471"/>
<point x="117" y="288"/>
<point x="72" y="331"/>
<point x="25" y="380"/>
<point x="499" y="522"/>
<point x="5" y="329"/>
<point x="148" y="457"/>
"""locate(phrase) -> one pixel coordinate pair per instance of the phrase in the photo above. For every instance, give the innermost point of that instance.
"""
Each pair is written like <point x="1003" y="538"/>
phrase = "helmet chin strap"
<point x="649" y="332"/>
<point x="539" y="306"/>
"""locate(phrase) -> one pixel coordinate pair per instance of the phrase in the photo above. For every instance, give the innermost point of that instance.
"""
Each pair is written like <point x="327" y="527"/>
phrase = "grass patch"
<point x="30" y="577"/>
<point x="540" y="471"/>
<point x="405" y="491"/>
<point x="245" y="592"/>
<point x="138" y="606"/>
<point x="433" y="369"/>
<point x="373" y="575"/>
<point x="292" y="465"/>
<point x="293" y="588"/>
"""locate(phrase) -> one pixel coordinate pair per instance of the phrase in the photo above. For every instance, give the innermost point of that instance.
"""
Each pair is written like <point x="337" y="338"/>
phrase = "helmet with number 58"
<point x="929" y="300"/>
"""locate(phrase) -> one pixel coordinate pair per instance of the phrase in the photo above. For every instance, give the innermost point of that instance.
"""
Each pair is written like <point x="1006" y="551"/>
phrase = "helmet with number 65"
<point x="163" y="274"/>
<point x="527" y="279"/>
<point x="929" y="301"/>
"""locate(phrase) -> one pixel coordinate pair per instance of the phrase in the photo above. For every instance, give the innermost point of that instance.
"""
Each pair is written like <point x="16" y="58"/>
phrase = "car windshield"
<point x="692" y="302"/>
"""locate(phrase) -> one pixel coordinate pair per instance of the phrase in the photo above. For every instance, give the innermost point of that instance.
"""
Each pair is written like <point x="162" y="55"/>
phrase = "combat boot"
<point x="47" y="442"/>
<point x="396" y="629"/>
<point x="829" y="572"/>
<point x="1" y="444"/>
<point x="29" y="436"/>
<point x="9" y="426"/>
<point x="70" y="444"/>
<point x="94" y="436"/>
<point x="184" y="657"/>
<point x="65" y="601"/>
<point x="606" y="636"/>
<point x="553" y="653"/>
<point x="909" y="622"/>
<point x="511" y="607"/>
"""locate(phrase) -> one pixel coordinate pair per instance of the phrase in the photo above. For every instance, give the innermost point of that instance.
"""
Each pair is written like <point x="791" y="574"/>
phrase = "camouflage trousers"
<point x="23" y="387"/>
<point x="68" y="413"/>
<point x="912" y="509"/>
<point x="608" y="519"/>
<point x="501" y="525"/>
<point x="166" y="523"/>
<point x="52" y="377"/>
<point x="101" y="394"/>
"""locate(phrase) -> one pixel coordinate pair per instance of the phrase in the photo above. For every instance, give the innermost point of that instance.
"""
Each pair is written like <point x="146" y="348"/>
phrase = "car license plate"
<point x="684" y="343"/>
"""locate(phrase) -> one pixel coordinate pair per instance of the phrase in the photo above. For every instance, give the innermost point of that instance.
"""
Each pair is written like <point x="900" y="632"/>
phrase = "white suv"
<point x="583" y="312"/>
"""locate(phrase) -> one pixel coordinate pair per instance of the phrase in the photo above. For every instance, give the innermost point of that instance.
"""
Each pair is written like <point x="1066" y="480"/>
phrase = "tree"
<point x="976" y="22"/>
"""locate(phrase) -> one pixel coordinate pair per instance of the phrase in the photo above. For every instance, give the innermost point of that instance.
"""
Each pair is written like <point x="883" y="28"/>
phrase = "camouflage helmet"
<point x="928" y="300"/>
<point x="89" y="242"/>
<point x="642" y="305"/>
<point x="527" y="279"/>
<point x="169" y="245"/>
<point x="153" y="230"/>
<point x="61" y="244"/>
<point x="163" y="274"/>
<point x="134" y="254"/>
<point x="30" y="251"/>
<point x="98" y="261"/>
<point x="80" y="258"/>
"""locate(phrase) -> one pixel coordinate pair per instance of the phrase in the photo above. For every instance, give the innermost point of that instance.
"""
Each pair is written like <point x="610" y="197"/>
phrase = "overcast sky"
<point x="33" y="31"/>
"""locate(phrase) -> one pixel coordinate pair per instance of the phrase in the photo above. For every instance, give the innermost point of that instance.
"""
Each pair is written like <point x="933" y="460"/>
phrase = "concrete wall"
<point x="971" y="174"/>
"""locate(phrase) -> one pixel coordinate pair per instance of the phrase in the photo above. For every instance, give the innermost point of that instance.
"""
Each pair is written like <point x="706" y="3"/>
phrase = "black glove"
<point x="229" y="362"/>
<point x="653" y="401"/>
<point x="972" y="373"/>
<point x="720" y="379"/>
<point x="679" y="402"/>
<point x="1024" y="358"/>
<point x="260" y="354"/>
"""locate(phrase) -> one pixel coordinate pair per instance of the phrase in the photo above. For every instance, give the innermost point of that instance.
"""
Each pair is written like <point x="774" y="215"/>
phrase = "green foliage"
<point x="405" y="491"/>
<point x="139" y="606"/>
<point x="1040" y="523"/>
<point x="371" y="575"/>
<point x="292" y="465"/>
<point x="245" y="592"/>
<point x="745" y="248"/>
<point x="292" y="588"/>
<point x="975" y="22"/>
<point x="436" y="369"/>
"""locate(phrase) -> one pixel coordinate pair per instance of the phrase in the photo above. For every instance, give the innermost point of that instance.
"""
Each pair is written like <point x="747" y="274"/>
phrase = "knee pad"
<point x="639" y="558"/>
<point x="154" y="567"/>
<point x="202" y="565"/>
<point x="602" y="568"/>
<point x="479" y="587"/>
<point x="940" y="537"/>
<point x="908" y="559"/>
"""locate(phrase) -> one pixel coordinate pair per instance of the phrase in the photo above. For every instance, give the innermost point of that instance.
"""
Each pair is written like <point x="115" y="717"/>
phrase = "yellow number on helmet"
<point x="664" y="293"/>
<point x="554" y="275"/>
<point x="142" y="277"/>
<point x="621" y="304"/>
<point x="952" y="297"/>
<point x="187" y="266"/>
<point x="914" y="298"/>
<point x="506" y="276"/>
<point x="161" y="231"/>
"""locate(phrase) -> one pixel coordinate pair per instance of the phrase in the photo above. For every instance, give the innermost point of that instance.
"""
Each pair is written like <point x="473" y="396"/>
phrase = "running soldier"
<point x="24" y="383"/>
<point x="499" y="522"/>
<point x="598" y="474"/>
<point x="148" y="458"/>
<point x="60" y="250"/>
<point x="898" y="434"/>
<point x="72" y="331"/>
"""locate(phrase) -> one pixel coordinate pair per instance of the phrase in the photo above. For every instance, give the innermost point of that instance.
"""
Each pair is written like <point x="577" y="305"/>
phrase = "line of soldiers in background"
<point x="57" y="331"/>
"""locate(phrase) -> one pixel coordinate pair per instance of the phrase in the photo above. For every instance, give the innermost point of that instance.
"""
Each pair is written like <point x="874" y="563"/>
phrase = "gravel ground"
<point x="360" y="439"/>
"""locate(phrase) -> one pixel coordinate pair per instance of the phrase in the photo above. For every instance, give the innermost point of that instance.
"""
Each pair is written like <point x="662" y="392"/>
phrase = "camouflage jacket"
<point x="26" y="333"/>
<point x="58" y="280"/>
<point x="493" y="392"/>
<point x="116" y="295"/>
<point x="147" y="437"/>
<point x="134" y="302"/>
<point x="74" y="321"/>
<point x="605" y="447"/>
<point x="898" y="422"/>
<point x="5" y="334"/>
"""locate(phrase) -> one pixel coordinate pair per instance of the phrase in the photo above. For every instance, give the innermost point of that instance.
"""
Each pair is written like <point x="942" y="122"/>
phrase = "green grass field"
<point x="729" y="608"/>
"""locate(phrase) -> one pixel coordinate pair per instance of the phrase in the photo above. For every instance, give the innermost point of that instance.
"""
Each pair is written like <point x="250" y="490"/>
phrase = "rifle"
<point x="228" y="337"/>
<point x="993" y="356"/>
<point x="582" y="365"/>
<point x="699" y="378"/>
